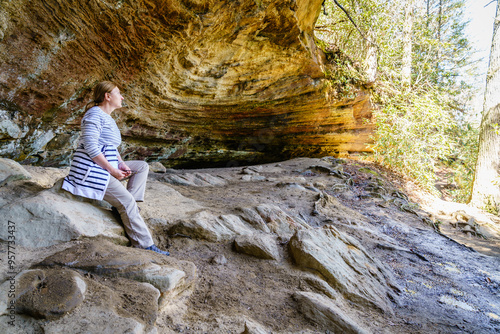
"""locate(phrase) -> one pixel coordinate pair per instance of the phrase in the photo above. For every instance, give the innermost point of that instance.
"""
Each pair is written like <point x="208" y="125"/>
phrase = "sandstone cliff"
<point x="206" y="82"/>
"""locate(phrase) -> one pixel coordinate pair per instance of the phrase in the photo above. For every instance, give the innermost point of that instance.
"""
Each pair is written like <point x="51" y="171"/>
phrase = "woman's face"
<point x="115" y="98"/>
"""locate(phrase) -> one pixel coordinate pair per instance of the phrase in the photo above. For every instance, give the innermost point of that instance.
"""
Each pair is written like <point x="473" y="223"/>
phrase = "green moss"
<point x="8" y="105"/>
<point x="344" y="76"/>
<point x="50" y="115"/>
<point x="368" y="170"/>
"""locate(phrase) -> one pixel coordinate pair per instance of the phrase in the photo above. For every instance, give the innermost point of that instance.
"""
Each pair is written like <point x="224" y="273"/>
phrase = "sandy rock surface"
<point x="310" y="246"/>
<point x="11" y="171"/>
<point x="345" y="265"/>
<point x="261" y="245"/>
<point x="323" y="310"/>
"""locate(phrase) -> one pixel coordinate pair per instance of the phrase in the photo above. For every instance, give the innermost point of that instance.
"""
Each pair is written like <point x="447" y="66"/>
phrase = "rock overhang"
<point x="206" y="82"/>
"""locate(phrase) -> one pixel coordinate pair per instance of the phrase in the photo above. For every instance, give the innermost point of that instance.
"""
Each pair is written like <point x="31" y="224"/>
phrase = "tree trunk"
<point x="370" y="63"/>
<point x="439" y="28"/>
<point x="407" y="44"/>
<point x="486" y="188"/>
<point x="428" y="17"/>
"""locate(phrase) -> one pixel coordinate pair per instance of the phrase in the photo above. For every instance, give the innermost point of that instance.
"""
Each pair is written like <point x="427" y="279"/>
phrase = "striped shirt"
<point x="98" y="129"/>
<point x="100" y="134"/>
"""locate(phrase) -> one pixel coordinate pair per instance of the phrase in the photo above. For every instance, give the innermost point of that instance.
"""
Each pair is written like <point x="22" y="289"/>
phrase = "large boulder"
<point x="260" y="245"/>
<point x="12" y="171"/>
<point x="268" y="218"/>
<point x="111" y="306"/>
<point x="45" y="294"/>
<point x="326" y="313"/>
<point x="46" y="219"/>
<point x="345" y="265"/>
<point x="95" y="286"/>
<point x="209" y="226"/>
<point x="167" y="274"/>
<point x="60" y="300"/>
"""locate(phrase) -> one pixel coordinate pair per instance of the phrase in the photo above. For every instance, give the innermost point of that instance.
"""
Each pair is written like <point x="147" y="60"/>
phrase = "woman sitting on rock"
<point x="97" y="167"/>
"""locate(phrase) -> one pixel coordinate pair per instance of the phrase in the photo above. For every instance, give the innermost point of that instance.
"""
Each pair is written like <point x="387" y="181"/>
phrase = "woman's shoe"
<point x="157" y="250"/>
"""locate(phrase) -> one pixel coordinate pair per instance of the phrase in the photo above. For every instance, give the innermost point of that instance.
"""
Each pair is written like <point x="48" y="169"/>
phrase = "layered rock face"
<point x="205" y="82"/>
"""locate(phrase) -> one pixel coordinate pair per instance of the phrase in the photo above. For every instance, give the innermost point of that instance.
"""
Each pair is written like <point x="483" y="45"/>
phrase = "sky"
<point x="480" y="28"/>
<point x="480" y="31"/>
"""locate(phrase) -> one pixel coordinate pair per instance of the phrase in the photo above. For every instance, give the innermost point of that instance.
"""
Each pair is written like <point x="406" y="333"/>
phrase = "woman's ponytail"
<point x="100" y="91"/>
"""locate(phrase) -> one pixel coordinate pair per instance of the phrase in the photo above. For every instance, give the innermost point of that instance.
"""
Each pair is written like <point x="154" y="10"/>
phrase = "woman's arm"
<point x="121" y="164"/>
<point x="115" y="172"/>
<point x="91" y="131"/>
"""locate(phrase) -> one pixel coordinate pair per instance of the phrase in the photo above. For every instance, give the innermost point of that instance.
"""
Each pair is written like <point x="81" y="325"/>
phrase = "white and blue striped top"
<point x="100" y="134"/>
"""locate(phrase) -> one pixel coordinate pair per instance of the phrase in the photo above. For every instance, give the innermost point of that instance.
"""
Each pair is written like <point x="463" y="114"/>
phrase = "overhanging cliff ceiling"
<point x="205" y="82"/>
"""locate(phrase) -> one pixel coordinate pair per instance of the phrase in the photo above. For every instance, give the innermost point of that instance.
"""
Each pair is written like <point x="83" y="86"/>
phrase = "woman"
<point x="97" y="167"/>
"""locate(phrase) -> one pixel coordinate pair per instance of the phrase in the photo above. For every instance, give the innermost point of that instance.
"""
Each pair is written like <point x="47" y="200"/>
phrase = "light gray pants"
<point x="124" y="200"/>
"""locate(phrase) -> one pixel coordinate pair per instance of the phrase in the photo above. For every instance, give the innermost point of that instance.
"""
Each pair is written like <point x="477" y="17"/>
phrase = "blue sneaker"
<point x="157" y="250"/>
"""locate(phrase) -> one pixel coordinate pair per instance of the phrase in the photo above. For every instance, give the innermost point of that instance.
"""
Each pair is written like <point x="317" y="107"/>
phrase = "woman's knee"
<point x="144" y="166"/>
<point x="121" y="200"/>
<point x="138" y="165"/>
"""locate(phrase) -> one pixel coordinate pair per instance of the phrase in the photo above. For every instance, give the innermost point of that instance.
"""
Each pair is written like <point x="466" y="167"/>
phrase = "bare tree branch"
<point x="490" y="3"/>
<point x="354" y="23"/>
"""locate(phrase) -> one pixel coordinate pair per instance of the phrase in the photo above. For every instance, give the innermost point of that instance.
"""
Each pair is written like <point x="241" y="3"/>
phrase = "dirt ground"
<point x="448" y="278"/>
<point x="446" y="287"/>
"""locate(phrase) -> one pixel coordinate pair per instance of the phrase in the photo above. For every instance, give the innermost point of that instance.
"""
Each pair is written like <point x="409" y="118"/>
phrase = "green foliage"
<point x="462" y="160"/>
<point x="417" y="135"/>
<point x="344" y="76"/>
<point x="424" y="127"/>
<point x="370" y="16"/>
<point x="413" y="134"/>
<point x="491" y="206"/>
<point x="441" y="49"/>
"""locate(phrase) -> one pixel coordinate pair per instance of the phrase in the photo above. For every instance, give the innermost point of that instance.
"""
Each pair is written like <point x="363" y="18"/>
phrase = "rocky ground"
<point x="302" y="246"/>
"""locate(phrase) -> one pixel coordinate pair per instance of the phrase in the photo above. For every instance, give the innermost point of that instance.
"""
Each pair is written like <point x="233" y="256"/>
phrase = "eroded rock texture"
<point x="308" y="247"/>
<point x="216" y="82"/>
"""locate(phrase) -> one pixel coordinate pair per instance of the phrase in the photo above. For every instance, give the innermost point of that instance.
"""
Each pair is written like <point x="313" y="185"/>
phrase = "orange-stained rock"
<point x="205" y="82"/>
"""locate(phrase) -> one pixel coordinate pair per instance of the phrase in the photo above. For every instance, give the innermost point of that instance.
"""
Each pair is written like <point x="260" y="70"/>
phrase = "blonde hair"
<point x="100" y="91"/>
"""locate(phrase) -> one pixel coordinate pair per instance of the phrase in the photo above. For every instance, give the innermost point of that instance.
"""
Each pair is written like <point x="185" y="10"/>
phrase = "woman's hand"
<point x="120" y="174"/>
<point x="123" y="166"/>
